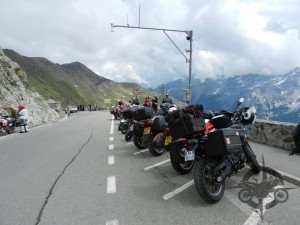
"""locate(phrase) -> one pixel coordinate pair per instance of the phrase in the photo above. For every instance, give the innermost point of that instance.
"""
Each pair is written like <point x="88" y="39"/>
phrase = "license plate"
<point x="147" y="130"/>
<point x="131" y="128"/>
<point x="189" y="155"/>
<point x="168" y="140"/>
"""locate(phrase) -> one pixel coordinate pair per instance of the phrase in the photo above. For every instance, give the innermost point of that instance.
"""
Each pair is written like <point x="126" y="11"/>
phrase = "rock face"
<point x="15" y="89"/>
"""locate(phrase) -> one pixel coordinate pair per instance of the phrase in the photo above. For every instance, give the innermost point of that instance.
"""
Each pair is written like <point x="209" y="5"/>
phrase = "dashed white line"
<point x="111" y="160"/>
<point x="157" y="164"/>
<point x="111" y="185"/>
<point x="141" y="151"/>
<point x="112" y="222"/>
<point x="178" y="190"/>
<point x="111" y="138"/>
<point x="112" y="125"/>
<point x="111" y="147"/>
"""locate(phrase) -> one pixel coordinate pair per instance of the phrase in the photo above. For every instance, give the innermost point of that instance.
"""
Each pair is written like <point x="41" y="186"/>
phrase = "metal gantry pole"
<point x="189" y="38"/>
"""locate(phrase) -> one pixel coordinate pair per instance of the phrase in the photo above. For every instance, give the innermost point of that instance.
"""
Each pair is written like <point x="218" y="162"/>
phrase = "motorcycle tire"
<point x="138" y="142"/>
<point x="11" y="130"/>
<point x="124" y="128"/>
<point x="120" y="126"/>
<point x="154" y="149"/>
<point x="205" y="182"/>
<point x="183" y="167"/>
<point x="128" y="135"/>
<point x="251" y="159"/>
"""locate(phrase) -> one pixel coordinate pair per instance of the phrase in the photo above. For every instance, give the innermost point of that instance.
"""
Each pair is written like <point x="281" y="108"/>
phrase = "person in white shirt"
<point x="23" y="116"/>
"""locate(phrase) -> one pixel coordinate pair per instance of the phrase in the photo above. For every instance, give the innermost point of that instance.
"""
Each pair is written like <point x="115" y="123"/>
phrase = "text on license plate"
<point x="189" y="155"/>
<point x="147" y="130"/>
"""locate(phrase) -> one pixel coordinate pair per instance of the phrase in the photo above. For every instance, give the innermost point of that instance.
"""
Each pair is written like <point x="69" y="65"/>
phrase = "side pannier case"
<point x="222" y="142"/>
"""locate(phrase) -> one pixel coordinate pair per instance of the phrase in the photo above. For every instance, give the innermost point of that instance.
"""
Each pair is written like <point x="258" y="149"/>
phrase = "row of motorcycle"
<point x="213" y="144"/>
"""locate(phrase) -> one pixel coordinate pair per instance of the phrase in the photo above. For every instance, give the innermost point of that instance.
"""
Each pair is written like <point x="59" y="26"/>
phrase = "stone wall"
<point x="278" y="134"/>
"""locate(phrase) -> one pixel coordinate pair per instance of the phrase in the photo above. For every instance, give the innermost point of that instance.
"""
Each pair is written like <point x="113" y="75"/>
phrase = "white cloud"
<point x="230" y="37"/>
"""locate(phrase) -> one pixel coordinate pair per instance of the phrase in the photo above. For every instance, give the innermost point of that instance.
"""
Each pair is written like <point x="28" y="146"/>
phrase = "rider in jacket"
<point x="23" y="116"/>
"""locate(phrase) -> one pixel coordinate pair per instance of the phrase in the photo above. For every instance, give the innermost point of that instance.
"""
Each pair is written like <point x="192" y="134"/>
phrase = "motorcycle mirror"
<point x="241" y="100"/>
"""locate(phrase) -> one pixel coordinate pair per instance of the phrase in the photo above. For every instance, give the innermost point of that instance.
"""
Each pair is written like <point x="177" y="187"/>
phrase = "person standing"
<point x="155" y="103"/>
<point x="167" y="99"/>
<point x="23" y="116"/>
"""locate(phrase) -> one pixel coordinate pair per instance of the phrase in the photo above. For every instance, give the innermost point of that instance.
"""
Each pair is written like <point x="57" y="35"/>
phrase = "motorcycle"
<point x="161" y="136"/>
<point x="7" y="124"/>
<point x="129" y="131"/>
<point x="184" y="126"/>
<point x="220" y="153"/>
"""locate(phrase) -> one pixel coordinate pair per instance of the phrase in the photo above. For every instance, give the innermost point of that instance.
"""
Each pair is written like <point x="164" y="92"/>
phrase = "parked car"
<point x="73" y="109"/>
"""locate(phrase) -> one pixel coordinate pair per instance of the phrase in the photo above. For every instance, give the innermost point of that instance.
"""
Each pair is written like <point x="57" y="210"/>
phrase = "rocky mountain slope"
<point x="15" y="89"/>
<point x="276" y="97"/>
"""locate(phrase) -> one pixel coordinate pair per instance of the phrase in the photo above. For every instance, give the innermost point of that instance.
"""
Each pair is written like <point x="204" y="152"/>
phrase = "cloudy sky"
<point x="229" y="36"/>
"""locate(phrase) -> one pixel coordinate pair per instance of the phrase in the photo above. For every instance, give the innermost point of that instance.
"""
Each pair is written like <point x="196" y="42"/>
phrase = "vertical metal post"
<point x="190" y="68"/>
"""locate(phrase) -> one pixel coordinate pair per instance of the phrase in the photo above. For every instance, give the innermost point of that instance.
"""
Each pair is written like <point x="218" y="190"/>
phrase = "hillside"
<point x="73" y="83"/>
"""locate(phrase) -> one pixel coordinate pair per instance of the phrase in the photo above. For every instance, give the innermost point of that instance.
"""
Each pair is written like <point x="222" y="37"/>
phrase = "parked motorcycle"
<point x="220" y="153"/>
<point x="7" y="124"/>
<point x="161" y="136"/>
<point x="185" y="126"/>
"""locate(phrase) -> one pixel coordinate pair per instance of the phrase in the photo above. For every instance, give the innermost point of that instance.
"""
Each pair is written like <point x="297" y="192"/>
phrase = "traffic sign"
<point x="135" y="91"/>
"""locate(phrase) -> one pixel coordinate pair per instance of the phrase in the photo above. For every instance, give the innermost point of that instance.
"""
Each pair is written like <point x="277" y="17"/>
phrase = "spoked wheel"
<point x="183" y="167"/>
<point x="138" y="141"/>
<point x="205" y="181"/>
<point x="11" y="130"/>
<point x="251" y="159"/>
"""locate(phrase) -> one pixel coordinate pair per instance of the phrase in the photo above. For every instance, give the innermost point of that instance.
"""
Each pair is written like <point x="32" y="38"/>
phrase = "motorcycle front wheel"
<point x="183" y="167"/>
<point x="205" y="181"/>
<point x="138" y="141"/>
<point x="251" y="159"/>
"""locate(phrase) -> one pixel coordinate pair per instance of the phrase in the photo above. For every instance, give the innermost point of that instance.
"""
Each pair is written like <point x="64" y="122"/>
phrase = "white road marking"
<point x="111" y="160"/>
<point x="111" y="138"/>
<point x="111" y="185"/>
<point x="111" y="147"/>
<point x="178" y="190"/>
<point x="141" y="151"/>
<point x="112" y="126"/>
<point x="157" y="164"/>
<point x="112" y="222"/>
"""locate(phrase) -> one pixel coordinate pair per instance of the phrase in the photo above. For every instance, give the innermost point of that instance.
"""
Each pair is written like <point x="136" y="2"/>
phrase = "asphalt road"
<point x="82" y="171"/>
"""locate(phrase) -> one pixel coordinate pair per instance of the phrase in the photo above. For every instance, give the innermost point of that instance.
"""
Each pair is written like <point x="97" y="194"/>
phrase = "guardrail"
<point x="274" y="133"/>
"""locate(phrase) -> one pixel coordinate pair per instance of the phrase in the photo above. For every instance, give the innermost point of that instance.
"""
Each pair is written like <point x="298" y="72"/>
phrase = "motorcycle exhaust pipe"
<point x="228" y="171"/>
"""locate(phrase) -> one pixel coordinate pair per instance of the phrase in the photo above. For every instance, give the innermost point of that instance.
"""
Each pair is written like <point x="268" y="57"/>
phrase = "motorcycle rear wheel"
<point x="183" y="167"/>
<point x="154" y="149"/>
<point x="128" y="135"/>
<point x="251" y="159"/>
<point x="205" y="182"/>
<point x="124" y="128"/>
<point x="138" y="142"/>
<point x="11" y="130"/>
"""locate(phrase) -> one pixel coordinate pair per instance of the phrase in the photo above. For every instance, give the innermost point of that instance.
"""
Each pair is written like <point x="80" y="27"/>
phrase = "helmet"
<point x="172" y="109"/>
<point x="249" y="115"/>
<point x="21" y="106"/>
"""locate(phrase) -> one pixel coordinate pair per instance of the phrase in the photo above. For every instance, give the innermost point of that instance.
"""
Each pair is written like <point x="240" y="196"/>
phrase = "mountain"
<point x="276" y="97"/>
<point x="15" y="89"/>
<point x="73" y="83"/>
